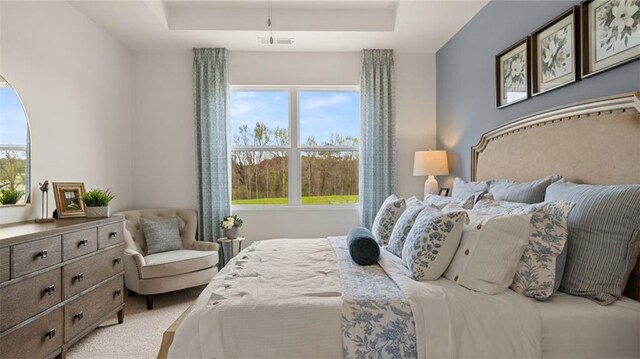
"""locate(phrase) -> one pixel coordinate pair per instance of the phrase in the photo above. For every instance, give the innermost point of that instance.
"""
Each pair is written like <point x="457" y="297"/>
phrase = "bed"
<point x="295" y="298"/>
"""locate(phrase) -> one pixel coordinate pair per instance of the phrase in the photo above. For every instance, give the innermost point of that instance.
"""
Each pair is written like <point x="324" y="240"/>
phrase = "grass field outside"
<point x="311" y="200"/>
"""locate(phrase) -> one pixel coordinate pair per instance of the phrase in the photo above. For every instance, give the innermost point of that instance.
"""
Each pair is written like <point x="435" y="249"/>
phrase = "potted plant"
<point x="231" y="226"/>
<point x="96" y="202"/>
<point x="9" y="196"/>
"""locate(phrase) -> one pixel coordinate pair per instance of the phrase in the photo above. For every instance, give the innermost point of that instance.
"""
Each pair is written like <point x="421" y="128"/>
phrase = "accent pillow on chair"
<point x="489" y="251"/>
<point x="432" y="242"/>
<point x="387" y="216"/>
<point x="161" y="235"/>
<point x="541" y="266"/>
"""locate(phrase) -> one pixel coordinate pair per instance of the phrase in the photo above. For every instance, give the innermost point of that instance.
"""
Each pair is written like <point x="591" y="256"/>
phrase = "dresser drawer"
<point x="82" y="274"/>
<point x="31" y="256"/>
<point x="5" y="264"/>
<point x="29" y="297"/>
<point x="109" y="235"/>
<point x="37" y="339"/>
<point x="76" y="244"/>
<point x="86" y="310"/>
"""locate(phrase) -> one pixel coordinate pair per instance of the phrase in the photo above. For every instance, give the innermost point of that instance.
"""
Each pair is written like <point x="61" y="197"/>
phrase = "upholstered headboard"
<point x="595" y="142"/>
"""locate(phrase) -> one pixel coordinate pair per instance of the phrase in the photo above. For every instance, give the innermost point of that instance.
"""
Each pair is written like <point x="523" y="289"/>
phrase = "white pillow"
<point x="489" y="252"/>
<point x="432" y="242"/>
<point x="463" y="189"/>
<point x="387" y="216"/>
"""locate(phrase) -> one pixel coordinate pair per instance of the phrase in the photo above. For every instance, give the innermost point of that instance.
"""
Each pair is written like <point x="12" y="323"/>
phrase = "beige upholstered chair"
<point x="164" y="272"/>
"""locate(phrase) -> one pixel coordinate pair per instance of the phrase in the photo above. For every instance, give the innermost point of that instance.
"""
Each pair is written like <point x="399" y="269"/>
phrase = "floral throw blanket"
<point x="377" y="321"/>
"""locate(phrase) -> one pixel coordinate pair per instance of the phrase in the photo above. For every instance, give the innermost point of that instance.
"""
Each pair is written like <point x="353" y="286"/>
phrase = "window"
<point x="294" y="145"/>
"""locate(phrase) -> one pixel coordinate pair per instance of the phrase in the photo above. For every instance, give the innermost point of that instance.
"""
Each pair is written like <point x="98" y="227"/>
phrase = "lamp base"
<point x="431" y="186"/>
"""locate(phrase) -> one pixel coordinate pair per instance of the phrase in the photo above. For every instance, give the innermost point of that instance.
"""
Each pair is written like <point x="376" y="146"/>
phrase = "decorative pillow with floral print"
<point x="540" y="269"/>
<point x="387" y="216"/>
<point x="432" y="243"/>
<point x="402" y="228"/>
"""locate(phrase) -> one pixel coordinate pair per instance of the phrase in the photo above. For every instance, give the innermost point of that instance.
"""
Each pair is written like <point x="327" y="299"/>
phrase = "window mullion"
<point x="295" y="178"/>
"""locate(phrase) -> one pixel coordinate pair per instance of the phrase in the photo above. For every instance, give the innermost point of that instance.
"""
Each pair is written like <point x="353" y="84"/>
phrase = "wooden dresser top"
<point x="12" y="233"/>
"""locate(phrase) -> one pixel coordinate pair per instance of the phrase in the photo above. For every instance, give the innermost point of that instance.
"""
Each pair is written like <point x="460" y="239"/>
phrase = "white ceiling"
<point x="406" y="26"/>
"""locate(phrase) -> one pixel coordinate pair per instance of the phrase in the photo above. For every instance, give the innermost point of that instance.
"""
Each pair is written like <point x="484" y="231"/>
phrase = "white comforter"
<point x="282" y="299"/>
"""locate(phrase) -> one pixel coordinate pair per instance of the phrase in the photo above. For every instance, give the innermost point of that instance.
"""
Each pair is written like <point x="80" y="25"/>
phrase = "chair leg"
<point x="149" y="299"/>
<point x="130" y="293"/>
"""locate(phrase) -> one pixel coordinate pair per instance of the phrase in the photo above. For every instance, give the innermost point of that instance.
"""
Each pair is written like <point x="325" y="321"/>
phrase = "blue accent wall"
<point x="466" y="77"/>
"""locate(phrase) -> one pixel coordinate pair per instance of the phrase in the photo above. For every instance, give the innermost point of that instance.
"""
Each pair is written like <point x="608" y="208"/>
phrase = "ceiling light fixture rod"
<point x="269" y="23"/>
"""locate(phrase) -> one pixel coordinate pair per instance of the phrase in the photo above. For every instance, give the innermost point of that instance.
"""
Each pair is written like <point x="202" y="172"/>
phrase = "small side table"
<point x="228" y="248"/>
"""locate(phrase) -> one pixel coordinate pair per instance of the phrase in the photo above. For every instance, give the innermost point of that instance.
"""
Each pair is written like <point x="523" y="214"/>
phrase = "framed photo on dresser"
<point x="68" y="197"/>
<point x="555" y="50"/>
<point x="512" y="73"/>
<point x="610" y="34"/>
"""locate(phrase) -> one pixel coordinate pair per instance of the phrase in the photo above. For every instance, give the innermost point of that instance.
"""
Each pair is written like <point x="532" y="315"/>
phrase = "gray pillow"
<point x="161" y="235"/>
<point x="604" y="238"/>
<point x="462" y="189"/>
<point x="522" y="192"/>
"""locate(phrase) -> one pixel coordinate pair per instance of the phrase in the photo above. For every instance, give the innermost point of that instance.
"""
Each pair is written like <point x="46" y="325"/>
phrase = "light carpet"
<point x="141" y="333"/>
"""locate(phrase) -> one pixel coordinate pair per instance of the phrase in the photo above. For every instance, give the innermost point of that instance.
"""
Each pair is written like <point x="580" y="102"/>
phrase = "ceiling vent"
<point x="276" y="40"/>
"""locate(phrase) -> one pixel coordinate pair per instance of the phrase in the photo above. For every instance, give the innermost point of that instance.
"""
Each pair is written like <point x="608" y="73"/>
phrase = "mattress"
<point x="576" y="327"/>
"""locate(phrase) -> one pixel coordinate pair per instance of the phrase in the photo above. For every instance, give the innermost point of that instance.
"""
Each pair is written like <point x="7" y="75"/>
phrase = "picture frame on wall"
<point x="512" y="73"/>
<point x="610" y="34"/>
<point x="555" y="52"/>
<point x="68" y="197"/>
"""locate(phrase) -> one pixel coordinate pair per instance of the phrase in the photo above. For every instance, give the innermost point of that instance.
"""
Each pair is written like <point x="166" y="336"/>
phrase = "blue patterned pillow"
<point x="541" y="266"/>
<point x="604" y="238"/>
<point x="432" y="243"/>
<point x="386" y="218"/>
<point x="402" y="228"/>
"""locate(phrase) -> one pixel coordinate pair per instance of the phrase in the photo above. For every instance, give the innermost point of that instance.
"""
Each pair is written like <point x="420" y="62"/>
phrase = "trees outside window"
<point x="317" y="165"/>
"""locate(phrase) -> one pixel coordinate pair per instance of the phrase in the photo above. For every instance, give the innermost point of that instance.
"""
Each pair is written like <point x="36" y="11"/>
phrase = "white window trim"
<point x="294" y="149"/>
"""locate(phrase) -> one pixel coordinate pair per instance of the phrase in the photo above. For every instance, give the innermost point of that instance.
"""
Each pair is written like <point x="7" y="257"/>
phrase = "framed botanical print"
<point x="610" y="34"/>
<point x="512" y="73"/>
<point x="555" y="52"/>
<point x="69" y="199"/>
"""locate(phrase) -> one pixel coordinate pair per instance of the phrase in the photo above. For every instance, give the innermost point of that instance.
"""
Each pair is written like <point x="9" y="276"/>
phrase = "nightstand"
<point x="228" y="248"/>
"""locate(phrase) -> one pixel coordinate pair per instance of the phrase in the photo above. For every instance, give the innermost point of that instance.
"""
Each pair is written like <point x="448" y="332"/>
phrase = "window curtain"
<point x="378" y="148"/>
<point x="211" y="94"/>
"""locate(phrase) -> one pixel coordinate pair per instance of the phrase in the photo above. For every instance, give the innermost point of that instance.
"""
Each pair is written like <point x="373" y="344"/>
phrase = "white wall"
<point x="74" y="80"/>
<point x="163" y="149"/>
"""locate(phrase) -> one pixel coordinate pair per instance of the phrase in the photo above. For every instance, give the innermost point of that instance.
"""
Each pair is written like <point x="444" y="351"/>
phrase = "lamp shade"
<point x="430" y="163"/>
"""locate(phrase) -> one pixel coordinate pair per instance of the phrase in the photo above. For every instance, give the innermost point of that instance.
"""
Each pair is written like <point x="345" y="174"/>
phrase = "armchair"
<point x="168" y="271"/>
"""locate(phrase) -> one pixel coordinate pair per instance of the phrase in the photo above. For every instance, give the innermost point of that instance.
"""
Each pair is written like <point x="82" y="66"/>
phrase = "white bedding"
<point x="282" y="299"/>
<point x="579" y="328"/>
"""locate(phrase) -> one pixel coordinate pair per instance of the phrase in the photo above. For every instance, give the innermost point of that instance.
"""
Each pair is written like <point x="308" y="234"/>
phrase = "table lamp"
<point x="430" y="163"/>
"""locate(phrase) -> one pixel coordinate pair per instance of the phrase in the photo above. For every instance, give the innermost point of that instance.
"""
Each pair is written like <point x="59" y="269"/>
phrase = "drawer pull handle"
<point x="50" y="289"/>
<point x="117" y="260"/>
<point x="43" y="254"/>
<point x="79" y="277"/>
<point x="79" y="315"/>
<point x="113" y="234"/>
<point x="51" y="333"/>
<point x="117" y="292"/>
<point x="83" y="243"/>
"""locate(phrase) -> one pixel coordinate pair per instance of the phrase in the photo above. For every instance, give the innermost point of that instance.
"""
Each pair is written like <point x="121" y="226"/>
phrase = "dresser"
<point x="58" y="281"/>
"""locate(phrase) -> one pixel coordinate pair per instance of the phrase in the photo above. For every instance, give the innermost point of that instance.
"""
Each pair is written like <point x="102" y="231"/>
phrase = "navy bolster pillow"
<point x="363" y="247"/>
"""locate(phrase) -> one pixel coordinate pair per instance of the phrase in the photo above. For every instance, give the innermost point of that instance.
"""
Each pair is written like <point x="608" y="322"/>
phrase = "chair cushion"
<point x="166" y="264"/>
<point x="161" y="235"/>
